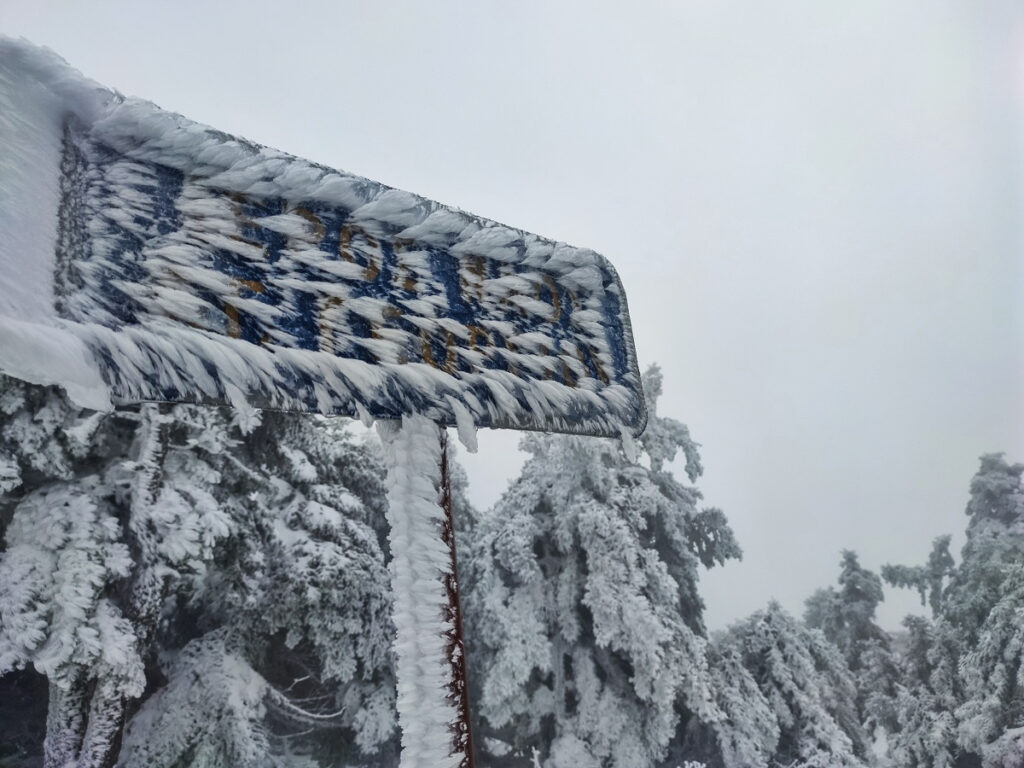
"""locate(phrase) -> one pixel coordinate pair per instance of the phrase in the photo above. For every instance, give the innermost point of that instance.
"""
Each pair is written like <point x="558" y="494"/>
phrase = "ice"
<point x="464" y="424"/>
<point x="44" y="355"/>
<point x="420" y="561"/>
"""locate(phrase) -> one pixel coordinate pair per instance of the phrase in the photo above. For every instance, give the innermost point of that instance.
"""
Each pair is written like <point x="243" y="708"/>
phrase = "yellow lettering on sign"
<point x="242" y="221"/>
<point x="345" y="242"/>
<point x="427" y="352"/>
<point x="594" y="361"/>
<point x="448" y="364"/>
<point x="449" y="360"/>
<point x="234" y="327"/>
<point x="567" y="375"/>
<point x="556" y="302"/>
<point x="234" y="319"/>
<point x="253" y="285"/>
<point x="471" y="278"/>
<point x="319" y="230"/>
<point x="477" y="333"/>
<point x="325" y="337"/>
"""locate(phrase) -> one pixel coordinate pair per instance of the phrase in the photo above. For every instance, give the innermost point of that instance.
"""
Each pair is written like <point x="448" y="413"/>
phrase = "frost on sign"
<point x="158" y="259"/>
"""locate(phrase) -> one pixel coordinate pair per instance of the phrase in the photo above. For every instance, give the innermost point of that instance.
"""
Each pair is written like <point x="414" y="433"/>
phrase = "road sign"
<point x="195" y="266"/>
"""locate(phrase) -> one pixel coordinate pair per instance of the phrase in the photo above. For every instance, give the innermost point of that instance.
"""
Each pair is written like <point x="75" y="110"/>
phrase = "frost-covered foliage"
<point x="991" y="720"/>
<point x="200" y="556"/>
<point x="211" y="711"/>
<point x="807" y="687"/>
<point x="94" y="540"/>
<point x="581" y="606"/>
<point x="960" y="693"/>
<point x="846" y="616"/>
<point x="63" y="548"/>
<point x="213" y="585"/>
<point x="995" y="539"/>
<point x="742" y="733"/>
<point x="302" y="592"/>
<point x="927" y="697"/>
<point x="930" y="579"/>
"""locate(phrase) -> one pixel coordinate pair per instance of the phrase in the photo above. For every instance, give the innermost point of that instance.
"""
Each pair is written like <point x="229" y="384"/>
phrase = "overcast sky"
<point x="815" y="209"/>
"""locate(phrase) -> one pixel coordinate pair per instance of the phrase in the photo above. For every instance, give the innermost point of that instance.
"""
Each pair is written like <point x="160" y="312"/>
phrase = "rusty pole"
<point x="458" y="689"/>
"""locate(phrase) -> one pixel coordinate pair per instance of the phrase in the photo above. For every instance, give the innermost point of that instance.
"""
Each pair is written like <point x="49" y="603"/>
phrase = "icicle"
<point x="364" y="415"/>
<point x="465" y="424"/>
<point x="629" y="446"/>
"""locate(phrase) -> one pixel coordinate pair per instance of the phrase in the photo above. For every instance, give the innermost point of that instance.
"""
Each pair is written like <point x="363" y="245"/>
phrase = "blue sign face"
<point x="191" y="286"/>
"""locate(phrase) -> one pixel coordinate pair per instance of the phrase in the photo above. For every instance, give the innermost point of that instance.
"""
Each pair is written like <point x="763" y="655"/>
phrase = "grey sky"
<point x="815" y="209"/>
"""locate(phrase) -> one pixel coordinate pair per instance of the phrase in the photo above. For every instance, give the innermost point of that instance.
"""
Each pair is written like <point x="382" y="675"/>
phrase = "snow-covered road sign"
<point x="174" y="262"/>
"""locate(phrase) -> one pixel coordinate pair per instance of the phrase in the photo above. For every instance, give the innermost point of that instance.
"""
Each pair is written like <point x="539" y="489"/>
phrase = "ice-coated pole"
<point x="433" y="701"/>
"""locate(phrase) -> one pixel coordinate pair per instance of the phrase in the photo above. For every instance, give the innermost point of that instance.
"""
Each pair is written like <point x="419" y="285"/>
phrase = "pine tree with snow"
<point x="226" y="571"/>
<point x="927" y="683"/>
<point x="807" y="687"/>
<point x="296" y="607"/>
<point x="991" y="720"/>
<point x="959" y="700"/>
<point x="995" y="540"/>
<point x="743" y="731"/>
<point x="984" y="602"/>
<point x="927" y="695"/>
<point x="105" y="512"/>
<point x="583" y="618"/>
<point x="846" y="616"/>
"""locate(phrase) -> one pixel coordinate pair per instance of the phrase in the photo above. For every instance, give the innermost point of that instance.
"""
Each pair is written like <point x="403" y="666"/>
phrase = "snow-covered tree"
<point x="927" y="684"/>
<point x="995" y="540"/>
<point x="846" y="616"/>
<point x="205" y="556"/>
<point x="960" y="690"/>
<point x="742" y="733"/>
<point x="583" y="618"/>
<point x="94" y="540"/>
<point x="297" y="603"/>
<point x="991" y="720"/>
<point x="808" y="689"/>
<point x="985" y="604"/>
<point x="927" y="695"/>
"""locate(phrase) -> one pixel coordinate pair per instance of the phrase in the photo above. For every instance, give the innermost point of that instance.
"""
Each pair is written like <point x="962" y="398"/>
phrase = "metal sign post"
<point x="433" y="696"/>
<point x="455" y="649"/>
<point x="144" y="257"/>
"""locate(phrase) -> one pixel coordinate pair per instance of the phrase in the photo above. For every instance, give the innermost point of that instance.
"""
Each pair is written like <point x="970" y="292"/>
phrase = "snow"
<point x="194" y="266"/>
<point x="44" y="355"/>
<point x="412" y="451"/>
<point x="31" y="135"/>
<point x="464" y="424"/>
<point x="29" y="193"/>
